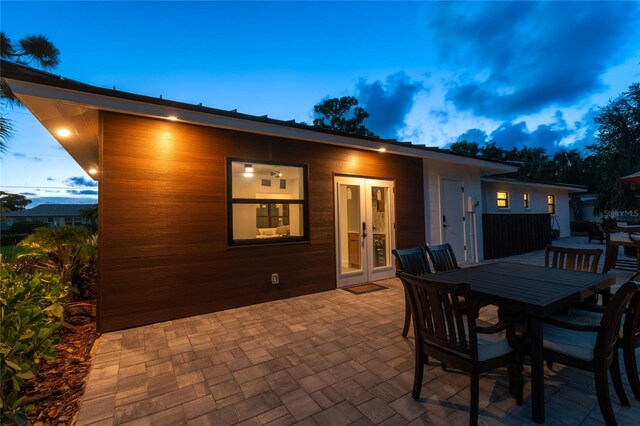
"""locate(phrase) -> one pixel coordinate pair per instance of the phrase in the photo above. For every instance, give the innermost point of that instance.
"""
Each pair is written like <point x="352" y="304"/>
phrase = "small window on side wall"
<point x="551" y="204"/>
<point x="525" y="200"/>
<point x="502" y="200"/>
<point x="267" y="202"/>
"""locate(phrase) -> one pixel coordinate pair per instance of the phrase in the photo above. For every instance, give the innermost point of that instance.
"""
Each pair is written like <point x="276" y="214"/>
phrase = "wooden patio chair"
<point x="629" y="337"/>
<point x="584" y="260"/>
<point x="591" y="347"/>
<point x="443" y="331"/>
<point x="413" y="261"/>
<point x="595" y="232"/>
<point x="442" y="257"/>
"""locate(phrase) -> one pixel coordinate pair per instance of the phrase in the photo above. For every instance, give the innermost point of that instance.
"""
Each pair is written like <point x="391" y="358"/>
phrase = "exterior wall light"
<point x="63" y="133"/>
<point x="93" y="171"/>
<point x="172" y="118"/>
<point x="382" y="149"/>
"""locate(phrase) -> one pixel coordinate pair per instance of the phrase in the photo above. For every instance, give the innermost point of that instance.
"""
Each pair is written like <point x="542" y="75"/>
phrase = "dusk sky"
<point x="518" y="73"/>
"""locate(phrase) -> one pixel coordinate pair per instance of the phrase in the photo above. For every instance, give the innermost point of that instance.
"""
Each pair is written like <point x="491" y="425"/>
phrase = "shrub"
<point x="31" y="311"/>
<point x="25" y="227"/>
<point x="70" y="251"/>
<point x="12" y="239"/>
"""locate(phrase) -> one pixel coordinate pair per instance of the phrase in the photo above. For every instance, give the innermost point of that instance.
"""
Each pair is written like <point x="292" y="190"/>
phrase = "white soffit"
<point x="70" y="105"/>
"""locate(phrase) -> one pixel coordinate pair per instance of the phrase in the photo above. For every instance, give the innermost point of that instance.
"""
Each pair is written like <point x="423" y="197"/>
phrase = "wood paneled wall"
<point x="163" y="219"/>
<point x="512" y="234"/>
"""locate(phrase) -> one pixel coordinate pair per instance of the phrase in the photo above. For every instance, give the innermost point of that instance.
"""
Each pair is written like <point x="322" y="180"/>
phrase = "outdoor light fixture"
<point x="382" y="149"/>
<point x="248" y="170"/>
<point x="93" y="171"/>
<point x="64" y="133"/>
<point x="172" y="118"/>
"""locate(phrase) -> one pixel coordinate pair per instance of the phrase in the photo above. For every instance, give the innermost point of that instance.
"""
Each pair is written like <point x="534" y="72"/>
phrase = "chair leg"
<point x="419" y="371"/>
<point x="631" y="367"/>
<point x="604" y="399"/>
<point x="475" y="398"/>
<point x="407" y="317"/>
<point x="616" y="378"/>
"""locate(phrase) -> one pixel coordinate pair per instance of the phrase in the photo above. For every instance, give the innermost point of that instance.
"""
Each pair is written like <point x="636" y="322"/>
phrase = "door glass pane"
<point x="380" y="226"/>
<point x="350" y="228"/>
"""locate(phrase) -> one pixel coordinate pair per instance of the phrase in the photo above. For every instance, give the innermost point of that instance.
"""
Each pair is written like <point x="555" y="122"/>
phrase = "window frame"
<point x="526" y="199"/>
<point x="551" y="206"/>
<point x="304" y="202"/>
<point x="505" y="199"/>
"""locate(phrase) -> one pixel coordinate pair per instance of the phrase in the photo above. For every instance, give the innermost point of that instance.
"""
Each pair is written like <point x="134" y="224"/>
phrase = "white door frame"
<point x="367" y="273"/>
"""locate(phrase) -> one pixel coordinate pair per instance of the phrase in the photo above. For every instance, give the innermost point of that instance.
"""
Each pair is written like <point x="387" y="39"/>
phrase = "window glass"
<point x="502" y="199"/>
<point x="267" y="202"/>
<point x="551" y="203"/>
<point x="525" y="200"/>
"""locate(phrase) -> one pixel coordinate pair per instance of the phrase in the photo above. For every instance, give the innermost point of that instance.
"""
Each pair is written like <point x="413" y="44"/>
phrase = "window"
<point x="525" y="200"/>
<point x="267" y="202"/>
<point x="502" y="200"/>
<point x="551" y="203"/>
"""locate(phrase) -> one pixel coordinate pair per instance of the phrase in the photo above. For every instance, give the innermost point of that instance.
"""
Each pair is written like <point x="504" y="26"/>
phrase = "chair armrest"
<point x="492" y="329"/>
<point x="591" y="307"/>
<point x="573" y="326"/>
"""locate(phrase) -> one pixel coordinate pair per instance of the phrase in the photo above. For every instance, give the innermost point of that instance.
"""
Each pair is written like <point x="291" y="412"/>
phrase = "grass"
<point x="9" y="252"/>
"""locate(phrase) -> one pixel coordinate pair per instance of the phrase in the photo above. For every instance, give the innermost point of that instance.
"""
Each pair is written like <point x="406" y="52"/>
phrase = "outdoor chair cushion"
<point x="578" y="344"/>
<point x="492" y="345"/>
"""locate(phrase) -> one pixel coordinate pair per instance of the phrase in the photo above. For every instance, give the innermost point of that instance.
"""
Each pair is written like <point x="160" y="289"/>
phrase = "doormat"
<point x="364" y="288"/>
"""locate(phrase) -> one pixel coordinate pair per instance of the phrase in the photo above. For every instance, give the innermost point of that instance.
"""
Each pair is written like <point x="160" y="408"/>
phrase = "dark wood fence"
<point x="511" y="234"/>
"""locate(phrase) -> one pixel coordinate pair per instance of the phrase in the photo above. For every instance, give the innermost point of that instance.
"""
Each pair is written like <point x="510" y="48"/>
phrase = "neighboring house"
<point x="202" y="209"/>
<point x="50" y="214"/>
<point x="513" y="196"/>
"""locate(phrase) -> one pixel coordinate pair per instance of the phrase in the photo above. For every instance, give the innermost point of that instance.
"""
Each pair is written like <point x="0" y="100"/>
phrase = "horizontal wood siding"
<point x="163" y="216"/>
<point x="511" y="234"/>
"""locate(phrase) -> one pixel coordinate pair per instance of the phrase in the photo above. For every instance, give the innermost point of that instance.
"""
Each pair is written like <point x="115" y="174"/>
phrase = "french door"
<point x="365" y="229"/>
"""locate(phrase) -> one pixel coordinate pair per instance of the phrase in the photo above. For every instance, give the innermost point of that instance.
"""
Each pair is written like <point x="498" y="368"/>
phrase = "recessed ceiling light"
<point x="63" y="133"/>
<point x="172" y="118"/>
<point x="382" y="149"/>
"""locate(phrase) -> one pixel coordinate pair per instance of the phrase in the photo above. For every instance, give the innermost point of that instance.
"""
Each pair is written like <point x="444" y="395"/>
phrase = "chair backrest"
<point x="585" y="260"/>
<point x="439" y="318"/>
<point x="442" y="257"/>
<point x="412" y="261"/>
<point x="608" y="337"/>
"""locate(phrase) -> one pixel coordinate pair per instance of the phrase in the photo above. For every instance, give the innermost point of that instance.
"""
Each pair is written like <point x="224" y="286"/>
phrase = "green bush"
<point x="31" y="310"/>
<point x="70" y="251"/>
<point x="25" y="227"/>
<point x="12" y="239"/>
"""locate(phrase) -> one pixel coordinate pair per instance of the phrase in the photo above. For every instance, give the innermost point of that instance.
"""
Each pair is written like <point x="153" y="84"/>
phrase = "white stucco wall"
<point x="433" y="172"/>
<point x="538" y="201"/>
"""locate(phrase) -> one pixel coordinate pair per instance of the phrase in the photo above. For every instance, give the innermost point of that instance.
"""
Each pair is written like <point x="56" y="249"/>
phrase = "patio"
<point x="327" y="358"/>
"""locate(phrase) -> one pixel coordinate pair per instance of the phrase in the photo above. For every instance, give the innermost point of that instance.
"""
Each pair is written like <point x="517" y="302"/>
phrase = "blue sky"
<point x="519" y="73"/>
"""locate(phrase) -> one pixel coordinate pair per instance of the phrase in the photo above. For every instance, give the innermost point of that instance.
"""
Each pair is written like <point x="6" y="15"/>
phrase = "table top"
<point x="529" y="289"/>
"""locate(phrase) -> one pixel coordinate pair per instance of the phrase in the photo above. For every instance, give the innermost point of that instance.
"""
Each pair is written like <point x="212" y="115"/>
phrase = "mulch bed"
<point x="57" y="389"/>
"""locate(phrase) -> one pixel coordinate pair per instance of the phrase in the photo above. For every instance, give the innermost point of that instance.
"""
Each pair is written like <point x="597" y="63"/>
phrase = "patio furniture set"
<point x="546" y="313"/>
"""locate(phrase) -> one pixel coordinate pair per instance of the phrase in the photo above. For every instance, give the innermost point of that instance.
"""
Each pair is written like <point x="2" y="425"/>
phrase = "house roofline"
<point x="567" y="186"/>
<point x="29" y="83"/>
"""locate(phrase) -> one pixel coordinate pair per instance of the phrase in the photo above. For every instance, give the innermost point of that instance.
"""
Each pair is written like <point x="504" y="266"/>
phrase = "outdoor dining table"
<point x="534" y="291"/>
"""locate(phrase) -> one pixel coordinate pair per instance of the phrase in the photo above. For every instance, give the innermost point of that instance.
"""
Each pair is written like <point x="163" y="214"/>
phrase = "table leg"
<point x="537" y="370"/>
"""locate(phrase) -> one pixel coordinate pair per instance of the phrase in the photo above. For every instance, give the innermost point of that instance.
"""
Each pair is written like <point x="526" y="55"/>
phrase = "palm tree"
<point x="34" y="50"/>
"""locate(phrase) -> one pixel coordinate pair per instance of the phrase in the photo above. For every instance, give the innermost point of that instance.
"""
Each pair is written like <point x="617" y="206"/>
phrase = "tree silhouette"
<point x="342" y="114"/>
<point x="33" y="50"/>
<point x="618" y="152"/>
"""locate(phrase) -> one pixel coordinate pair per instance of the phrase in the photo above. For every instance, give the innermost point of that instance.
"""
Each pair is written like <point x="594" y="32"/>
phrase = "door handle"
<point x="364" y="230"/>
